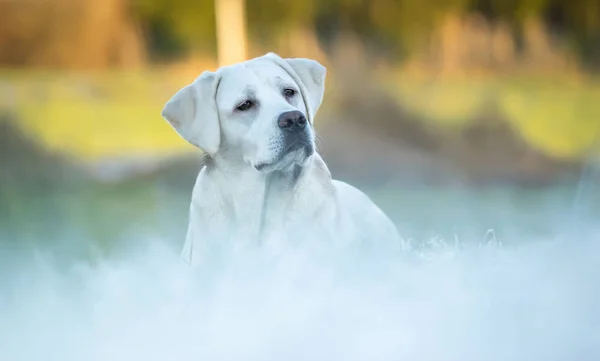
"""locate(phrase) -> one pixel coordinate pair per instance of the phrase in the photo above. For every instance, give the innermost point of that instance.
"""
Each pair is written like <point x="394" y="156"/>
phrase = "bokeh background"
<point x="473" y="123"/>
<point x="458" y="113"/>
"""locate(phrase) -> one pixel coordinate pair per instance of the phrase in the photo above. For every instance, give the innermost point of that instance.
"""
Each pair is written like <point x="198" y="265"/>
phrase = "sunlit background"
<point x="470" y="122"/>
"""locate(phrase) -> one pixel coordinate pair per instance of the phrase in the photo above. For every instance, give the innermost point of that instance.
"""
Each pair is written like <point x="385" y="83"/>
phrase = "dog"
<point x="263" y="182"/>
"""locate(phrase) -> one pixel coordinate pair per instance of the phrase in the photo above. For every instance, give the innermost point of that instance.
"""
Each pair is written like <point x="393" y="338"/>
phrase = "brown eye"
<point x="289" y="92"/>
<point x="245" y="106"/>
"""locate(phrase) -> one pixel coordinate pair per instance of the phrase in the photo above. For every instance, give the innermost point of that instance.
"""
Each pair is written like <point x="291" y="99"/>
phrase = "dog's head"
<point x="260" y="111"/>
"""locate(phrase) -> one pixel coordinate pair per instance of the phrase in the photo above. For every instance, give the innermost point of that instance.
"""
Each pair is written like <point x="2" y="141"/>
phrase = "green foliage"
<point x="400" y="24"/>
<point x="267" y="17"/>
<point x="177" y="25"/>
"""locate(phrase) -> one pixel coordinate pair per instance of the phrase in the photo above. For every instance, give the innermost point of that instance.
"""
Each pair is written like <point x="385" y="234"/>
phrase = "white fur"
<point x="292" y="199"/>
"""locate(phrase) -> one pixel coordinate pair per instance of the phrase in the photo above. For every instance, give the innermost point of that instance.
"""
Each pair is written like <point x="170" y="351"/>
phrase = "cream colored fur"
<point x="292" y="199"/>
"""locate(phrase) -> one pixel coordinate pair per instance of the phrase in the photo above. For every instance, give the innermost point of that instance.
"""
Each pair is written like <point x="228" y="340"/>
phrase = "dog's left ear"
<point x="310" y="76"/>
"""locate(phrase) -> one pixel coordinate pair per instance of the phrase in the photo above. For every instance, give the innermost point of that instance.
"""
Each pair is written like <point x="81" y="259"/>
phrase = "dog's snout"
<point x="292" y="120"/>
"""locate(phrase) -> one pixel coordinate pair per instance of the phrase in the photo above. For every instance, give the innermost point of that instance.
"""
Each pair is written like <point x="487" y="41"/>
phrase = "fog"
<point x="534" y="300"/>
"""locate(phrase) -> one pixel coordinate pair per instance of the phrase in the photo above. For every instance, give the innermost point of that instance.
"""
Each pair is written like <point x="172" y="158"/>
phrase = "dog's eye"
<point x="289" y="92"/>
<point x="245" y="106"/>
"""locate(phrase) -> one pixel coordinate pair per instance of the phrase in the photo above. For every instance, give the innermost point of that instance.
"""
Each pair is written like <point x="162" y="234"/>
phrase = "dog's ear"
<point x="192" y="112"/>
<point x="310" y="76"/>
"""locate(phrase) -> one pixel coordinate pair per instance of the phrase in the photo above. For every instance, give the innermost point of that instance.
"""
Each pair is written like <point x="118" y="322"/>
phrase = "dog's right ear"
<point x="193" y="113"/>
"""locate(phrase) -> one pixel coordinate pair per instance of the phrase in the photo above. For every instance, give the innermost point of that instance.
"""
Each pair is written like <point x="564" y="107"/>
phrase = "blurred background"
<point x="456" y="116"/>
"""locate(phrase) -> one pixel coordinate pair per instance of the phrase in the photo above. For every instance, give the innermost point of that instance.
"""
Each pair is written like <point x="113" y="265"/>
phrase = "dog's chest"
<point x="265" y="214"/>
<point x="289" y="221"/>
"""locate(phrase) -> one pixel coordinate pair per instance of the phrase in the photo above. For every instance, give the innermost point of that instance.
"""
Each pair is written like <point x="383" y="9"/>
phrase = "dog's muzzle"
<point x="292" y="122"/>
<point x="296" y="132"/>
<point x="296" y="144"/>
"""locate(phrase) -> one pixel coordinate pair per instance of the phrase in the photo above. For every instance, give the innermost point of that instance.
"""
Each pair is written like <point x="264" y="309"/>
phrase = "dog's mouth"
<point x="296" y="153"/>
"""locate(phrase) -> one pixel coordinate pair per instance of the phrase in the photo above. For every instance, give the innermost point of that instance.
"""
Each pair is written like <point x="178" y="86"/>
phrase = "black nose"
<point x="292" y="120"/>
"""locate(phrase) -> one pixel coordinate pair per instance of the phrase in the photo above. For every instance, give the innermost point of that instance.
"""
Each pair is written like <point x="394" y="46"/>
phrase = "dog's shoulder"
<point x="363" y="212"/>
<point x="350" y="195"/>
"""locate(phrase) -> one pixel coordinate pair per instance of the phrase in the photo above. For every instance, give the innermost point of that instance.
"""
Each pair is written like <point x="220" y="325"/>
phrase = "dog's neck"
<point x="247" y="192"/>
<point x="234" y="175"/>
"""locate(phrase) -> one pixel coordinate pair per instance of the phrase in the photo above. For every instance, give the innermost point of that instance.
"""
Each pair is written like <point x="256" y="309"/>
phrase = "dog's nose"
<point x="292" y="120"/>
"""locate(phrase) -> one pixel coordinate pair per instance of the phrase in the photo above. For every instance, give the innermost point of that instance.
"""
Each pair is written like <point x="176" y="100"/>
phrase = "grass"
<point x="109" y="114"/>
<point x="89" y="214"/>
<point x="562" y="118"/>
<point x="559" y="115"/>
<point x="94" y="116"/>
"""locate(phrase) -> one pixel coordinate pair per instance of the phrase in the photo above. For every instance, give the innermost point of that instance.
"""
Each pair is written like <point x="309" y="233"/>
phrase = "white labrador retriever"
<point x="263" y="183"/>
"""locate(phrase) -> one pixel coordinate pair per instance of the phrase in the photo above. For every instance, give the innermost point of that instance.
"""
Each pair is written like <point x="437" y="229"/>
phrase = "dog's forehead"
<point x="267" y="69"/>
<point x="253" y="74"/>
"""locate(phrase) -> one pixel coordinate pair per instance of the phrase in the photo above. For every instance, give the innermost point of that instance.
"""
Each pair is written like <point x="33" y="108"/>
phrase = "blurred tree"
<point x="69" y="33"/>
<point x="177" y="27"/>
<point x="56" y="31"/>
<point x="269" y="17"/>
<point x="231" y="31"/>
<point x="581" y="23"/>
